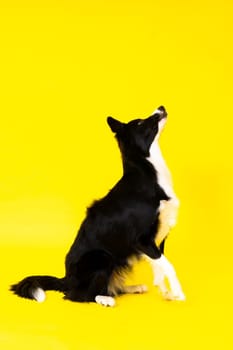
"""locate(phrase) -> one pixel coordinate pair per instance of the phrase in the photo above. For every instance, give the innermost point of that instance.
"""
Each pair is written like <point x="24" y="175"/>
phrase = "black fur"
<point x="117" y="227"/>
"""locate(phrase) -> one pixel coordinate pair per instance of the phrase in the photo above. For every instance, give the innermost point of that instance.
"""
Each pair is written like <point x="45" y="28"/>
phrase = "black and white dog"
<point x="131" y="221"/>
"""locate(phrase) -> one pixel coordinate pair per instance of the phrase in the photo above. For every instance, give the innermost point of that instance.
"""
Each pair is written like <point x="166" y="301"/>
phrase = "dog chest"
<point x="168" y="209"/>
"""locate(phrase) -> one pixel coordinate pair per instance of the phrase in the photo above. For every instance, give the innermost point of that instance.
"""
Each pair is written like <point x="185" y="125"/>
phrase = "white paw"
<point x="39" y="295"/>
<point x="174" y="296"/>
<point x="104" y="300"/>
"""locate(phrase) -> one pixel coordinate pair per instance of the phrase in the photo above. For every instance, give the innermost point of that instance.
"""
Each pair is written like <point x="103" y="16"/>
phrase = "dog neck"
<point x="133" y="163"/>
<point x="159" y="164"/>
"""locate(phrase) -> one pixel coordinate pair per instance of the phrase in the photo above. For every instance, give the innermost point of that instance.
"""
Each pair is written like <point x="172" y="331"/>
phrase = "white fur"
<point x="157" y="111"/>
<point x="104" y="300"/>
<point x="156" y="159"/>
<point x="39" y="295"/>
<point x="168" y="209"/>
<point x="164" y="269"/>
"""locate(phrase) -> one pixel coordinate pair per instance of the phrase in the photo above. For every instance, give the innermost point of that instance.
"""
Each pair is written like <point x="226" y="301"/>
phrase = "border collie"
<point x="131" y="221"/>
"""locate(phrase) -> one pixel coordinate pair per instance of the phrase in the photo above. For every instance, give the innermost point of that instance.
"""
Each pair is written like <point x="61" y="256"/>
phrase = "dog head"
<point x="138" y="135"/>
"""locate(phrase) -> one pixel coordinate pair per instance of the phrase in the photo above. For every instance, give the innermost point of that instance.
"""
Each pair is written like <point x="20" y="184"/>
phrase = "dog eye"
<point x="140" y="122"/>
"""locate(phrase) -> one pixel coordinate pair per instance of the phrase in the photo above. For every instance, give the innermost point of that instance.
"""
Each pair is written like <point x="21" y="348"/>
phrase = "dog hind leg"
<point x="136" y="289"/>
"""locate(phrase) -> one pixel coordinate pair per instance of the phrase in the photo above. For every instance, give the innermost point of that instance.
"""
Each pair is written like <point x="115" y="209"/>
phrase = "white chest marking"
<point x="164" y="176"/>
<point x="168" y="209"/>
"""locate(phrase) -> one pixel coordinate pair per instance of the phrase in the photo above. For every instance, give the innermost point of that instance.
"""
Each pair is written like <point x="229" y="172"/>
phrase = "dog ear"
<point x="114" y="124"/>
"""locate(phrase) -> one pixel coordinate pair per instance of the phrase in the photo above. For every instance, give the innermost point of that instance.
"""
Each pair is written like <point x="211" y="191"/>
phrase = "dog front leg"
<point x="163" y="269"/>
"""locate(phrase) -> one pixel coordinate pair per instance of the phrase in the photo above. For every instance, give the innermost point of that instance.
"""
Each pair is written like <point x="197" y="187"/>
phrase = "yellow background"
<point x="65" y="66"/>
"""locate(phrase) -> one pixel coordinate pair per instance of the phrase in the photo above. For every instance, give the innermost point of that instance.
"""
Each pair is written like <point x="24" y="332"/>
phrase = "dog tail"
<point x="34" y="287"/>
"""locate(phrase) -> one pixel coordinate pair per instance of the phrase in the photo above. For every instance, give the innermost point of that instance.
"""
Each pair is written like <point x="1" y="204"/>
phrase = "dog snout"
<point x="161" y="111"/>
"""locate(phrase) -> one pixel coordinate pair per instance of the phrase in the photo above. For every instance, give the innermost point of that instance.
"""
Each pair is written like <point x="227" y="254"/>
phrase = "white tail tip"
<point x="39" y="295"/>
